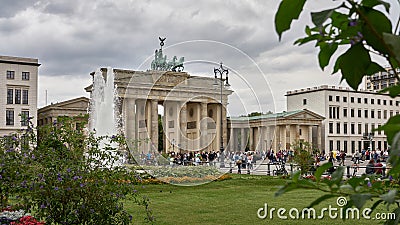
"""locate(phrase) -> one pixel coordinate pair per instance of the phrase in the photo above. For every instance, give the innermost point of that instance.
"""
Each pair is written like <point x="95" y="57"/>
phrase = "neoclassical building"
<point x="191" y="109"/>
<point x="275" y="131"/>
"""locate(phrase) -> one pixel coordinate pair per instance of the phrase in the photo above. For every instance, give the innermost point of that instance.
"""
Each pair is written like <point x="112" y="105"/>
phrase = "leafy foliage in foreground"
<point x="63" y="179"/>
<point x="363" y="27"/>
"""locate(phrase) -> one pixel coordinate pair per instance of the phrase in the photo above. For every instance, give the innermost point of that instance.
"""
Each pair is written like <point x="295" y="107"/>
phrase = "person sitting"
<point x="370" y="167"/>
<point x="378" y="167"/>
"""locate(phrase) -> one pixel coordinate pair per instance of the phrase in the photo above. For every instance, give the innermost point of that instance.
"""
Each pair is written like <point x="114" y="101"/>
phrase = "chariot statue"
<point x="160" y="60"/>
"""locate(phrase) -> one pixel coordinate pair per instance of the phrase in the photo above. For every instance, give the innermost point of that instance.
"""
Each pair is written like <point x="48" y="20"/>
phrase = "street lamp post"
<point x="221" y="71"/>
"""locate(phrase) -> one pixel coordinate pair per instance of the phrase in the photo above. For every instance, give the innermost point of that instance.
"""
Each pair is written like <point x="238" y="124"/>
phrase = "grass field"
<point x="233" y="201"/>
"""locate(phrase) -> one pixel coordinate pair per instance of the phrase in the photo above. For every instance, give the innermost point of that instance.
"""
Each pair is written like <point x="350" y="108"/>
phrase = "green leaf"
<point x="391" y="128"/>
<point x="389" y="197"/>
<point x="354" y="64"/>
<point x="373" y="3"/>
<point x="393" y="90"/>
<point x="320" y="170"/>
<point x="355" y="181"/>
<point x="337" y="176"/>
<point x="376" y="23"/>
<point x="360" y="199"/>
<point x="320" y="199"/>
<point x="318" y="18"/>
<point x="288" y="187"/>
<point x="296" y="176"/>
<point x="376" y="205"/>
<point x="374" y="68"/>
<point x="325" y="53"/>
<point x="394" y="42"/>
<point x="288" y="11"/>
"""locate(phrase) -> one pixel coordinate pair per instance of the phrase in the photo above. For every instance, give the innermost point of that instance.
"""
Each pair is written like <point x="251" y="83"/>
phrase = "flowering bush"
<point x="65" y="180"/>
<point x="27" y="220"/>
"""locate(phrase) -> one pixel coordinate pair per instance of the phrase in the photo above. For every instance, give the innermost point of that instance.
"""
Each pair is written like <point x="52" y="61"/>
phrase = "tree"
<point x="362" y="28"/>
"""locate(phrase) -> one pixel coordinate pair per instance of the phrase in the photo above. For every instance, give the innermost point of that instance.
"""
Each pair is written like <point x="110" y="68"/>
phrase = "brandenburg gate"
<point x="192" y="107"/>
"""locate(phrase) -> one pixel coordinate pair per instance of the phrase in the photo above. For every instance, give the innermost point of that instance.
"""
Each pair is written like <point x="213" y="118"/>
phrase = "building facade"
<point x="350" y="115"/>
<point x="275" y="131"/>
<point x="191" y="118"/>
<point x="381" y="80"/>
<point x="73" y="108"/>
<point x="18" y="85"/>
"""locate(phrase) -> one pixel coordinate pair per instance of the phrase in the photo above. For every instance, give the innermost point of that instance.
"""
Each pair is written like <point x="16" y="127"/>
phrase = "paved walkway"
<point x="261" y="167"/>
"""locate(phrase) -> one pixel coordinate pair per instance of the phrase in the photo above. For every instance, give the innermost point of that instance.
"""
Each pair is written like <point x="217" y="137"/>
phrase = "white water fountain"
<point x="103" y="114"/>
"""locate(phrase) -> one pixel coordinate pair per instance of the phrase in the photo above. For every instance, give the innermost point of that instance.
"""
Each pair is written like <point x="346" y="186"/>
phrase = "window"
<point x="330" y="98"/>
<point x="353" y="146"/>
<point x="17" y="99"/>
<point x="379" y="101"/>
<point x="359" y="128"/>
<point x="300" y="132"/>
<point x="391" y="113"/>
<point x="338" y="128"/>
<point x="359" y="113"/>
<point x="9" y="117"/>
<point x="352" y="128"/>
<point x="24" y="118"/>
<point x="379" y="131"/>
<point x="10" y="74"/>
<point x="345" y="128"/>
<point x="352" y="112"/>
<point x="397" y="103"/>
<point x="345" y="112"/>
<point x="372" y="101"/>
<point x="331" y="128"/>
<point x="352" y="99"/>
<point x="304" y="101"/>
<point x="366" y="128"/>
<point x="345" y="146"/>
<point x="344" y="99"/>
<point x="372" y="114"/>
<point x="338" y="145"/>
<point x="25" y="97"/>
<point x="373" y="128"/>
<point x="25" y="75"/>
<point x="384" y="102"/>
<point x="379" y="114"/>
<point x="359" y="100"/>
<point x="330" y="145"/>
<point x="366" y="113"/>
<point x="365" y="100"/>
<point x="338" y="98"/>
<point x="390" y="102"/>
<point x="10" y="95"/>
<point x="333" y="112"/>
<point x="384" y="114"/>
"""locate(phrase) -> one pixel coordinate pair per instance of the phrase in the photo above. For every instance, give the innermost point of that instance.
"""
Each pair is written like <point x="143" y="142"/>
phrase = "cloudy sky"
<point x="73" y="38"/>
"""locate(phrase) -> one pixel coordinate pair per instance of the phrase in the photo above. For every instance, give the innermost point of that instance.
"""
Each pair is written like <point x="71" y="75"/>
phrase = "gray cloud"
<point x="73" y="38"/>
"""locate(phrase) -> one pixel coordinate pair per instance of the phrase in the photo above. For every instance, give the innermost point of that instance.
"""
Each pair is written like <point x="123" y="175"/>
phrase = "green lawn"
<point x="233" y="201"/>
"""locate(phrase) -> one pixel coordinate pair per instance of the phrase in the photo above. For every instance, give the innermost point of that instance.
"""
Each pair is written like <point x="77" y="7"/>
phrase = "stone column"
<point x="130" y="118"/>
<point x="262" y="138"/>
<point x="243" y="139"/>
<point x="297" y="132"/>
<point x="154" y="124"/>
<point x="277" y="138"/>
<point x="310" y="135"/>
<point x="203" y="126"/>
<point x="268" y="137"/>
<point x="319" y="137"/>
<point x="287" y="137"/>
<point x="183" y="126"/>
<point x="251" y="137"/>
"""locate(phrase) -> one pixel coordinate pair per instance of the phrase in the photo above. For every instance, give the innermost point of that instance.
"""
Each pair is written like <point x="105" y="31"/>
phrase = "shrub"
<point x="65" y="180"/>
